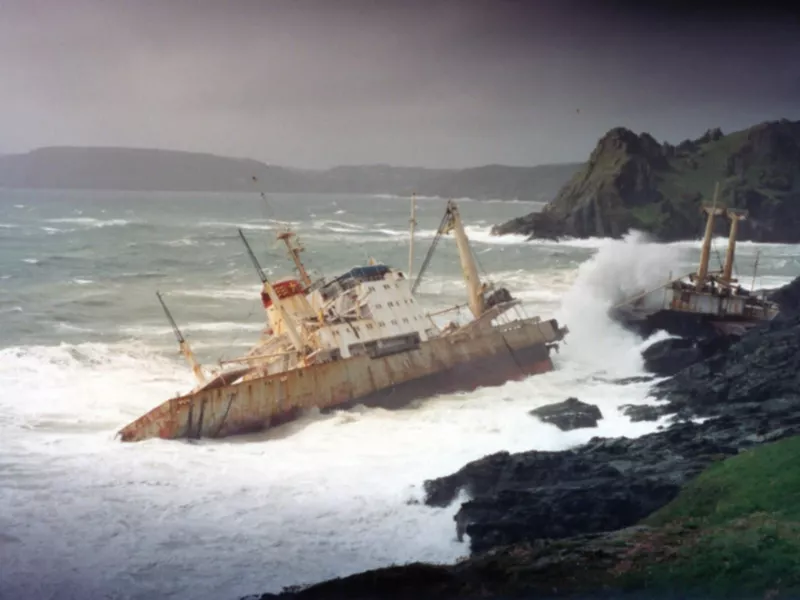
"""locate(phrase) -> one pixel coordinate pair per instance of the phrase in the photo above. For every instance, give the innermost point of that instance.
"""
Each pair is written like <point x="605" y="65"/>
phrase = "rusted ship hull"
<point x="441" y="365"/>
<point x="681" y="324"/>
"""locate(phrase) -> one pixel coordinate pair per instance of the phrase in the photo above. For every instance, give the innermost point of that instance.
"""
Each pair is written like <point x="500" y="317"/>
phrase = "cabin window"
<point x="386" y="286"/>
<point x="405" y="320"/>
<point x="390" y="304"/>
<point x="381" y="323"/>
<point x="394" y="321"/>
<point x="369" y="326"/>
<point x="379" y="306"/>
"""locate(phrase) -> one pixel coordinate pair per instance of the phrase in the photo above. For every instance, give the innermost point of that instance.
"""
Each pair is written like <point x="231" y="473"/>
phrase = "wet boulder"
<point x="569" y="414"/>
<point x="667" y="357"/>
<point x="642" y="412"/>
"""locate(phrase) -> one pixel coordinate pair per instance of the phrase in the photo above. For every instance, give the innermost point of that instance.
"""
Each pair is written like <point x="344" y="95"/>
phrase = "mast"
<point x="413" y="222"/>
<point x="183" y="344"/>
<point x="755" y="270"/>
<point x="291" y="326"/>
<point x="735" y="216"/>
<point x="702" y="271"/>
<point x="294" y="254"/>
<point x="474" y="289"/>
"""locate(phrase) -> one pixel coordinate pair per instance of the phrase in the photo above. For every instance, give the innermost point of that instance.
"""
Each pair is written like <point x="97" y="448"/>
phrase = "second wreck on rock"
<point x="703" y="303"/>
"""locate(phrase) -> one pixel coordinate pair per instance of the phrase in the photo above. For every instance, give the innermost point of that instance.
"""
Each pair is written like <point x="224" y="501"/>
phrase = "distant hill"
<point x="138" y="169"/>
<point x="169" y="170"/>
<point x="632" y="182"/>
<point x="540" y="183"/>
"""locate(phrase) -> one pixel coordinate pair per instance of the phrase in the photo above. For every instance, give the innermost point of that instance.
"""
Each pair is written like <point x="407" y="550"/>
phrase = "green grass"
<point x="735" y="529"/>
<point x="765" y="479"/>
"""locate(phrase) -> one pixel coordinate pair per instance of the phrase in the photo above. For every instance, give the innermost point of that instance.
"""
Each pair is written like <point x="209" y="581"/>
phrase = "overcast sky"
<point x="314" y="83"/>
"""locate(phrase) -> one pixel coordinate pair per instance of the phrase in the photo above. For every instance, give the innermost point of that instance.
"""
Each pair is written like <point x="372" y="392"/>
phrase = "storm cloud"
<point x="449" y="83"/>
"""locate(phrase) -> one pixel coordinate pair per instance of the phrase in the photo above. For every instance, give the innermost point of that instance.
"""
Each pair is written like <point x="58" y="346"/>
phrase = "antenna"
<point x="755" y="270"/>
<point x="253" y="258"/>
<point x="413" y="223"/>
<point x="263" y="196"/>
<point x="175" y="329"/>
<point x="183" y="344"/>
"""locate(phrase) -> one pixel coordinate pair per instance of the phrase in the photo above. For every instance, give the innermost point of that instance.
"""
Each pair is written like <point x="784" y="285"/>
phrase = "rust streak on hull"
<point x="441" y="365"/>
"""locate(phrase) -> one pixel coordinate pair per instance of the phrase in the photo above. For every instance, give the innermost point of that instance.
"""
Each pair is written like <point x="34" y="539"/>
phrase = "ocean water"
<point x="85" y="348"/>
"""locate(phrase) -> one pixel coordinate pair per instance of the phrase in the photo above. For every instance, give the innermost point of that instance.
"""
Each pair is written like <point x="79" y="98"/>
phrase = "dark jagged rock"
<point x="642" y="412"/>
<point x="569" y="414"/>
<point x="788" y="298"/>
<point x="603" y="485"/>
<point x="669" y="356"/>
<point x="763" y="365"/>
<point x="632" y="182"/>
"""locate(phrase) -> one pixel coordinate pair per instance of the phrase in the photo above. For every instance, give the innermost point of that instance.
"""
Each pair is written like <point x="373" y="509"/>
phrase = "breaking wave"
<point x="97" y="223"/>
<point x="149" y="514"/>
<point x="619" y="269"/>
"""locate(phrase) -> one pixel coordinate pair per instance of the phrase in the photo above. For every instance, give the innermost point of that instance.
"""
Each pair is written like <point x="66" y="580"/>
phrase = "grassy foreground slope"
<point x="736" y="528"/>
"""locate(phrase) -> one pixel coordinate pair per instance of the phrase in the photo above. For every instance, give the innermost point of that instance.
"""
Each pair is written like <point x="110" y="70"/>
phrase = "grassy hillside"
<point x="736" y="528"/>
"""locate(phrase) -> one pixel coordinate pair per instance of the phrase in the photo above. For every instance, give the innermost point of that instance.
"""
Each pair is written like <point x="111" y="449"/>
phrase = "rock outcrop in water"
<point x="569" y="414"/>
<point x="632" y="182"/>
<point x="670" y="356"/>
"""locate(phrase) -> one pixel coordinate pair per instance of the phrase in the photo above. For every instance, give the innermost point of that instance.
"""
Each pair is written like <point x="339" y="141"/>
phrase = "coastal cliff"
<point x="631" y="181"/>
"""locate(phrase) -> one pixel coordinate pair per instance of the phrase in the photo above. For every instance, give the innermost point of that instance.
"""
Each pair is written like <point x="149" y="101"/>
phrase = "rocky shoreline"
<point x="554" y="523"/>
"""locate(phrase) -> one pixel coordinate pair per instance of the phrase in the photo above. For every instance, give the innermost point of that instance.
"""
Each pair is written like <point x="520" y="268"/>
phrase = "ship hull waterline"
<point x="682" y="323"/>
<point x="442" y="365"/>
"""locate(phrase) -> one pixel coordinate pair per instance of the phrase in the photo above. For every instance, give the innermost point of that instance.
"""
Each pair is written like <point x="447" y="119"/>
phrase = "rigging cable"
<point x="428" y="256"/>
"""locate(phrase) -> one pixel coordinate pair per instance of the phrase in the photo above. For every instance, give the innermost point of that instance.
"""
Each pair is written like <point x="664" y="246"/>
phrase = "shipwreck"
<point x="705" y="302"/>
<point x="361" y="337"/>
